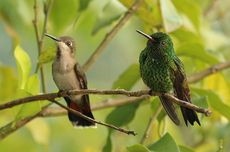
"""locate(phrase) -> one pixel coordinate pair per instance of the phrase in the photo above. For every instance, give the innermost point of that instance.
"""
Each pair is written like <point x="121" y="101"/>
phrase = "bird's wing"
<point x="181" y="90"/>
<point x="82" y="81"/>
<point x="179" y="80"/>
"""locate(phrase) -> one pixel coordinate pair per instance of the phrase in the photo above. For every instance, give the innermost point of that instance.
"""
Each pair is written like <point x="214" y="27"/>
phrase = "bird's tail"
<point x="189" y="115"/>
<point x="170" y="109"/>
<point x="78" y="121"/>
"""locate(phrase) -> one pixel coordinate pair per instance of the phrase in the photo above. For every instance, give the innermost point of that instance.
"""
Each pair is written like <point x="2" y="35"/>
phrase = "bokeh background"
<point x="201" y="34"/>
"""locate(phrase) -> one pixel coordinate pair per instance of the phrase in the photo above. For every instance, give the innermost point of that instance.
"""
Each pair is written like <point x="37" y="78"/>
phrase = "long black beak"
<point x="52" y="37"/>
<point x="146" y="35"/>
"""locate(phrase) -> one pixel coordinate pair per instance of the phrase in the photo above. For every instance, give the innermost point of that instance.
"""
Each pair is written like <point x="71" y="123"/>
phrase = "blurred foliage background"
<point x="200" y="31"/>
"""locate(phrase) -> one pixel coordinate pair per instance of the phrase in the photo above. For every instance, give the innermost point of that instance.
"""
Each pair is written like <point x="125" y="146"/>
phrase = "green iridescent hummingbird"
<point x="162" y="71"/>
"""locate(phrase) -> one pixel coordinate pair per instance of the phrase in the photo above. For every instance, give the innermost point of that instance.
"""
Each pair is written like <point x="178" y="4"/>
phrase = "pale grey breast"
<point x="64" y="76"/>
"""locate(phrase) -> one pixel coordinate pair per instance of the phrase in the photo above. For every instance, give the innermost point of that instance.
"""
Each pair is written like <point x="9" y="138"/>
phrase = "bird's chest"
<point x="64" y="76"/>
<point x="156" y="75"/>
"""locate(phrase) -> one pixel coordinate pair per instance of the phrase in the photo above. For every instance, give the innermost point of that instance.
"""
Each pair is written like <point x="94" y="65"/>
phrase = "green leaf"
<point x="191" y="9"/>
<point x="165" y="144"/>
<point x="32" y="87"/>
<point x="83" y="4"/>
<point x="215" y="101"/>
<point x="66" y="12"/>
<point x="171" y="19"/>
<point x="9" y="80"/>
<point x="123" y="115"/>
<point x="185" y="149"/>
<point x="33" y="84"/>
<point x="111" y="12"/>
<point x="155" y="103"/>
<point x="128" y="78"/>
<point x="201" y="101"/>
<point x="108" y="146"/>
<point x="197" y="51"/>
<point x="191" y="44"/>
<point x="23" y="65"/>
<point x="137" y="148"/>
<point x="41" y="136"/>
<point x="103" y="22"/>
<point x="148" y="12"/>
<point x="184" y="35"/>
<point x="47" y="55"/>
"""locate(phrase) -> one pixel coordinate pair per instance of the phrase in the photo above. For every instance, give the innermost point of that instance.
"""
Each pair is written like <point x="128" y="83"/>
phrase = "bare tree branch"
<point x="109" y="36"/>
<point x="211" y="70"/>
<point x="48" y="112"/>
<point x="51" y="96"/>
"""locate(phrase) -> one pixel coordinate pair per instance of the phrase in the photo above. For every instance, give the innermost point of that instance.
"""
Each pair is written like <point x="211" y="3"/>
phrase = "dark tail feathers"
<point x="78" y="121"/>
<point x="189" y="116"/>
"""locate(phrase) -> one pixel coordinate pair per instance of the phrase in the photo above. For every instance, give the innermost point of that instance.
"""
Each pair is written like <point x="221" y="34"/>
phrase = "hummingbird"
<point x="162" y="71"/>
<point x="68" y="75"/>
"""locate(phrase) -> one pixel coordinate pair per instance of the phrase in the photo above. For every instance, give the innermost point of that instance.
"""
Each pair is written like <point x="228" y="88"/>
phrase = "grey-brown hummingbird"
<point x="68" y="75"/>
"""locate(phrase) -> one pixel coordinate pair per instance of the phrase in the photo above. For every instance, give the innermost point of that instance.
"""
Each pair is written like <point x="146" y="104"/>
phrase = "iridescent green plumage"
<point x="162" y="71"/>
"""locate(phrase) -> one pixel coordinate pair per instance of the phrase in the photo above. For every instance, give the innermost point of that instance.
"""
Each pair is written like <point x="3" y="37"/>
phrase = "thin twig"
<point x="93" y="120"/>
<point x="211" y="70"/>
<point x="48" y="112"/>
<point x="210" y="7"/>
<point x="46" y="10"/>
<point x="109" y="36"/>
<point x="13" y="126"/>
<point x="150" y="124"/>
<point x="140" y="93"/>
<point x="52" y="112"/>
<point x="39" y="39"/>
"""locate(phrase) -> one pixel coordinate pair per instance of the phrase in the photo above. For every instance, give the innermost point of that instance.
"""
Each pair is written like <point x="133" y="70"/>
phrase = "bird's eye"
<point x="68" y="43"/>
<point x="163" y="43"/>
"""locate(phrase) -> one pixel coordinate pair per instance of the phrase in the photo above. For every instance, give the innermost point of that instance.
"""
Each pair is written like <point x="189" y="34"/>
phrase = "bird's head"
<point x="159" y="43"/>
<point x="65" y="45"/>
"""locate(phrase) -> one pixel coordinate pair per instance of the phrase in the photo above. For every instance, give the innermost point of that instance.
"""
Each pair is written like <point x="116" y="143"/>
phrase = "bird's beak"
<point x="146" y="35"/>
<point x="52" y="37"/>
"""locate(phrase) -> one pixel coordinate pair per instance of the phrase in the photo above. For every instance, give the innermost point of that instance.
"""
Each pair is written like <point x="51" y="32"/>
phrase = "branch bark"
<point x="51" y="96"/>
<point x="211" y="70"/>
<point x="48" y="112"/>
<point x="52" y="112"/>
<point x="118" y="102"/>
<point x="109" y="36"/>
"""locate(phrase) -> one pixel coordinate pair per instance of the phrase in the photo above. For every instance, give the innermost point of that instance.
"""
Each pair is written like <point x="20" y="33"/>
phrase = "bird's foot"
<point x="150" y="92"/>
<point x="62" y="93"/>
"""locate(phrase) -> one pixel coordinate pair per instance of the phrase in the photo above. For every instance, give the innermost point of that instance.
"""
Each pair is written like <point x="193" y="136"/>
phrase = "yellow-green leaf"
<point x="165" y="144"/>
<point x="138" y="148"/>
<point x="111" y="12"/>
<point x="23" y="65"/>
<point x="32" y="87"/>
<point x="128" y="78"/>
<point x="47" y="55"/>
<point x="40" y="131"/>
